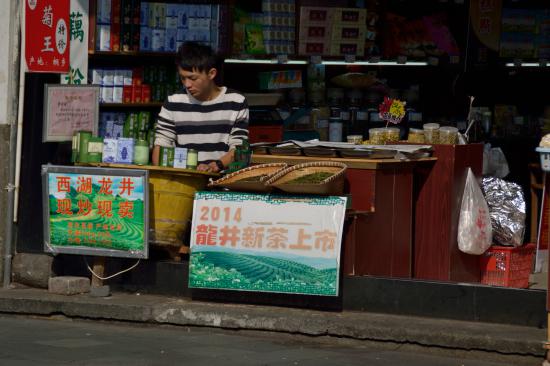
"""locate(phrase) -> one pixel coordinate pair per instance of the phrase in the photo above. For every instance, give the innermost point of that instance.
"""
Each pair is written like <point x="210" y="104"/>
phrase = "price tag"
<point x="375" y="59"/>
<point x="316" y="60"/>
<point x="433" y="61"/>
<point x="402" y="60"/>
<point x="282" y="59"/>
<point x="350" y="59"/>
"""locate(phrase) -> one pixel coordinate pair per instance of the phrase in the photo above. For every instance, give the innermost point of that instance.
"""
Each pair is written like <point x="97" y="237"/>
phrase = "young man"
<point x="206" y="117"/>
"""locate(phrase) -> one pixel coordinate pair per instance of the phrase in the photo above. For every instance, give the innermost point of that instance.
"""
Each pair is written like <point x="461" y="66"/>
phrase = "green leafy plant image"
<point x="246" y="272"/>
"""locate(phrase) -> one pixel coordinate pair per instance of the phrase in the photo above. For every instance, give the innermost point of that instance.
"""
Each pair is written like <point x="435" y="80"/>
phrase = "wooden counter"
<point x="379" y="237"/>
<point x="350" y="162"/>
<point x="151" y="168"/>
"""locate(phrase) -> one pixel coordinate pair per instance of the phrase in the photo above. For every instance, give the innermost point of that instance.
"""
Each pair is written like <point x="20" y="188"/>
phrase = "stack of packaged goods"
<point x="272" y="31"/>
<point x="132" y="25"/>
<point x="279" y="22"/>
<point x="332" y="31"/>
<point x="118" y="25"/>
<point x="164" y="27"/>
<point x="136" y="125"/>
<point x="138" y="85"/>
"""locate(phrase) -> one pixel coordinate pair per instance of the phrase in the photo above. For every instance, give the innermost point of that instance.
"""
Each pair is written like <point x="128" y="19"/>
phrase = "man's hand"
<point x="211" y="167"/>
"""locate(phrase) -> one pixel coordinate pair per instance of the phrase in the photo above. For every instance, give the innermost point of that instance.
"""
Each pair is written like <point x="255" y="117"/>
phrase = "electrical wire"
<point x="111" y="276"/>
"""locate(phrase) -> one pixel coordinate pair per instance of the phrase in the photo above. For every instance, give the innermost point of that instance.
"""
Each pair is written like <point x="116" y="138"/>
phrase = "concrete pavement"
<point x="28" y="341"/>
<point x="440" y="334"/>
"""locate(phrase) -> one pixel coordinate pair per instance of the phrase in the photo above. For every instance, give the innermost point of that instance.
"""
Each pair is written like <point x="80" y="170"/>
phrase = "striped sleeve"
<point x="165" y="132"/>
<point x="239" y="131"/>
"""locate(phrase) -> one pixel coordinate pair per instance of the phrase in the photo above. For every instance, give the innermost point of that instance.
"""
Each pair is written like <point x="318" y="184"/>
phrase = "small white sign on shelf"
<point x="282" y="59"/>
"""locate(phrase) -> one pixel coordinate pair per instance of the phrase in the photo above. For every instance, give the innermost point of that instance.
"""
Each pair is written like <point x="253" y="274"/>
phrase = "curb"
<point x="428" y="332"/>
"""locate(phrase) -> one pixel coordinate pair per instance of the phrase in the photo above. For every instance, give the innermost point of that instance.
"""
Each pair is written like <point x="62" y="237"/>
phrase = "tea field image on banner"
<point x="266" y="243"/>
<point x="96" y="212"/>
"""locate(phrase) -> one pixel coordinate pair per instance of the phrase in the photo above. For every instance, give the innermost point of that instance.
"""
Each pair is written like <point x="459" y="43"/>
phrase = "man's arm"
<point x="165" y="133"/>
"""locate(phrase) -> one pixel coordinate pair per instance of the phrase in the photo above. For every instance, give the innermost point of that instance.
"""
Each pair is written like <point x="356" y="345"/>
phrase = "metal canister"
<point x="192" y="159"/>
<point x="83" y="138"/>
<point x="95" y="150"/>
<point x="166" y="156"/>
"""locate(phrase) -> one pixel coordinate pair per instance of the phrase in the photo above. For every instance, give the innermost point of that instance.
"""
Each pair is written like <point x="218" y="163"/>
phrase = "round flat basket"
<point x="288" y="180"/>
<point x="250" y="179"/>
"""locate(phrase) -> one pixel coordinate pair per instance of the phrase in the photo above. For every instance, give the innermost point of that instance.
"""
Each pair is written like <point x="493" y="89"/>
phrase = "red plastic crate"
<point x="507" y="266"/>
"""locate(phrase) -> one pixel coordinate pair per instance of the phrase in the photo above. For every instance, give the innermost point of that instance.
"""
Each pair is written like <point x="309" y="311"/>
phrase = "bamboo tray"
<point x="234" y="182"/>
<point x="333" y="185"/>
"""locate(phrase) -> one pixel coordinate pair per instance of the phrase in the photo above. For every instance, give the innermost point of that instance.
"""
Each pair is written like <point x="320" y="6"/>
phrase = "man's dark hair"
<point x="195" y="56"/>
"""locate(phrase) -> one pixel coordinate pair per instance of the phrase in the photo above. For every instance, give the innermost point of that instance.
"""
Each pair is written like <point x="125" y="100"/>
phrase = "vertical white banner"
<point x="79" y="22"/>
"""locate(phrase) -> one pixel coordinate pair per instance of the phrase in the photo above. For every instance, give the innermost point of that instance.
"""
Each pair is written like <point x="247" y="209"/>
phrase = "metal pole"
<point x="15" y="113"/>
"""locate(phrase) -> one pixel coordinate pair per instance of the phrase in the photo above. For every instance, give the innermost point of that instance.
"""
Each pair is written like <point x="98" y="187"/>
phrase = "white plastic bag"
<point x="494" y="162"/>
<point x="475" y="234"/>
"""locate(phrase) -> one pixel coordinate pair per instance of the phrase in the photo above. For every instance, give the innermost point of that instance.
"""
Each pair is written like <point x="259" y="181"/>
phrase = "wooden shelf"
<point x="130" y="54"/>
<point x="132" y="105"/>
<point x="152" y="168"/>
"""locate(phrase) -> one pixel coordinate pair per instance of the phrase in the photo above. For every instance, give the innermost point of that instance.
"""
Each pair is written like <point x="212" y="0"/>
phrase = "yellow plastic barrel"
<point x="171" y="205"/>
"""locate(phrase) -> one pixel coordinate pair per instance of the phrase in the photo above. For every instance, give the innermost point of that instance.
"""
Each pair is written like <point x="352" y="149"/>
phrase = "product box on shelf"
<point x="313" y="48"/>
<point x="180" y="157"/>
<point x="110" y="148"/>
<point x="347" y="48"/>
<point x="316" y="15"/>
<point x="347" y="16"/>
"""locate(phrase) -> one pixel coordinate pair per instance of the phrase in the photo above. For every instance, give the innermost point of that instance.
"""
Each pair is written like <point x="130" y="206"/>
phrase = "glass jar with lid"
<point x="431" y="133"/>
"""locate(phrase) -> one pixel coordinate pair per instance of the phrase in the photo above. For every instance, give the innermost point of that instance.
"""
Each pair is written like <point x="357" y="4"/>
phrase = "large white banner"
<point x="79" y="23"/>
<point x="271" y="243"/>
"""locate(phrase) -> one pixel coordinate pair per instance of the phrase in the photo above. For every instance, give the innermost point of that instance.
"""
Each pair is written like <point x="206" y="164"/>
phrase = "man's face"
<point x="198" y="84"/>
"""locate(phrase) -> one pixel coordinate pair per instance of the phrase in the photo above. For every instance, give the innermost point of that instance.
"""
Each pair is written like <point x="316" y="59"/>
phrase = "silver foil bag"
<point x="507" y="209"/>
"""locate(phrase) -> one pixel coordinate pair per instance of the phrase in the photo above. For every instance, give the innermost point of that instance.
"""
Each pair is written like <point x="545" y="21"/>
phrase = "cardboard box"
<point x="310" y="15"/>
<point x="136" y="12"/>
<point x="115" y="11"/>
<point x="127" y="77"/>
<point x="115" y="38"/>
<point x="137" y="76"/>
<point x="135" y="37"/>
<point x="348" y="16"/>
<point x="97" y="76"/>
<point x="126" y="12"/>
<point x="170" y="40"/>
<point x="103" y="38"/>
<point x="125" y="150"/>
<point x="343" y="33"/>
<point x="144" y="14"/>
<point x="158" y="40"/>
<point x="106" y="94"/>
<point x="180" y="157"/>
<point x="136" y="94"/>
<point x="126" y="37"/>
<point x="110" y="148"/>
<point x="118" y="94"/>
<point x="127" y="94"/>
<point x="145" y="34"/>
<point x="108" y="77"/>
<point x="313" y="48"/>
<point x="146" y="93"/>
<point x="347" y="48"/>
<point x="119" y="77"/>
<point x="103" y="12"/>
<point x="183" y="16"/>
<point x="314" y="33"/>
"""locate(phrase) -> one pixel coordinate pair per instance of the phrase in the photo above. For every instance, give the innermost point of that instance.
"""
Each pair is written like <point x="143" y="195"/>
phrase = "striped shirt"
<point x="212" y="128"/>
